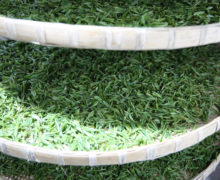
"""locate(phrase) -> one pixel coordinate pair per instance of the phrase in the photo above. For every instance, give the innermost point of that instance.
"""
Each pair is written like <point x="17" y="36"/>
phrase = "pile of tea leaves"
<point x="104" y="100"/>
<point x="183" y="165"/>
<point x="88" y="100"/>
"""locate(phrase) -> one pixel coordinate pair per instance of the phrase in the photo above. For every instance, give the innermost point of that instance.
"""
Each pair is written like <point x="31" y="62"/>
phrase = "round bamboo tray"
<point x="202" y="176"/>
<point x="83" y="158"/>
<point x="211" y="168"/>
<point x="110" y="38"/>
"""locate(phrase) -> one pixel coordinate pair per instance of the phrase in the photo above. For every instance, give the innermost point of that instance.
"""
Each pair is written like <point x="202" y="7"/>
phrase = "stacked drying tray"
<point x="109" y="38"/>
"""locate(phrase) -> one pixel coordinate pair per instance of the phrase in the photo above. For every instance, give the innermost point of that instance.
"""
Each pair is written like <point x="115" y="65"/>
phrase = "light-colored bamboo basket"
<point x="110" y="38"/>
<point x="201" y="176"/>
<point x="83" y="158"/>
<point x="209" y="170"/>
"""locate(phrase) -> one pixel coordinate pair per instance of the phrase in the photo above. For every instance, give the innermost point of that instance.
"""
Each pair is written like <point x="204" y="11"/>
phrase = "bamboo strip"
<point x="83" y="158"/>
<point x="21" y="177"/>
<point x="202" y="176"/>
<point x="110" y="38"/>
<point x="211" y="168"/>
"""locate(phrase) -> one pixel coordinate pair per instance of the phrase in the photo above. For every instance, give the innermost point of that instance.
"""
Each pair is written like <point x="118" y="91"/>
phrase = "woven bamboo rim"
<point x="93" y="158"/>
<point x="211" y="168"/>
<point x="202" y="176"/>
<point x="110" y="38"/>
<point x="21" y="177"/>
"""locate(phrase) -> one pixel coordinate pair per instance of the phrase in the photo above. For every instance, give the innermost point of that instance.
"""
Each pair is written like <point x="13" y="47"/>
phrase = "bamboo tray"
<point x="110" y="38"/>
<point x="202" y="176"/>
<point x="211" y="168"/>
<point x="84" y="158"/>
